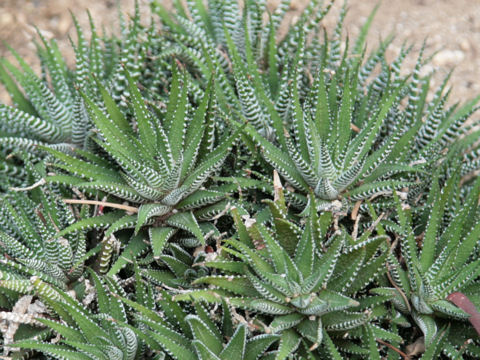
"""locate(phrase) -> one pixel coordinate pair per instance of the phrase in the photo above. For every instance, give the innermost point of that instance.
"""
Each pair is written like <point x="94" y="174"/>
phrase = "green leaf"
<point x="299" y="124"/>
<point x="258" y="263"/>
<point x="107" y="304"/>
<point x="257" y="345"/>
<point x="116" y="115"/>
<point x="203" y="334"/>
<point x="284" y="322"/>
<point x="147" y="211"/>
<point x="159" y="237"/>
<point x="186" y="221"/>
<point x="125" y="222"/>
<point x="209" y="296"/>
<point x="344" y="118"/>
<point x="434" y="347"/>
<point x="428" y="326"/>
<point x="96" y="222"/>
<point x="65" y="331"/>
<point x="330" y="347"/>
<point x="372" y="344"/>
<point x="174" y="313"/>
<point x="142" y="116"/>
<point x="173" y="98"/>
<point x="89" y="328"/>
<point x="199" y="198"/>
<point x="305" y="251"/>
<point x="430" y="238"/>
<point x="466" y="247"/>
<point x="235" y="284"/>
<point x="83" y="168"/>
<point x="93" y="350"/>
<point x="324" y="269"/>
<point x="120" y="140"/>
<point x="242" y="231"/>
<point x="279" y="159"/>
<point x="227" y="320"/>
<point x="203" y="351"/>
<point x="135" y="247"/>
<point x="262" y="306"/>
<point x="61" y="351"/>
<point x="195" y="132"/>
<point x="175" y="349"/>
<point x="16" y="94"/>
<point x="176" y="131"/>
<point x="362" y="37"/>
<point x="289" y="342"/>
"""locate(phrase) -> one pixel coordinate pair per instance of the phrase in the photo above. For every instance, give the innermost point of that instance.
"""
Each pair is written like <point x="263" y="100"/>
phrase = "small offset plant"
<point x="443" y="266"/>
<point x="203" y="188"/>
<point x="48" y="110"/>
<point x="30" y="241"/>
<point x="86" y="335"/>
<point x="184" y="335"/>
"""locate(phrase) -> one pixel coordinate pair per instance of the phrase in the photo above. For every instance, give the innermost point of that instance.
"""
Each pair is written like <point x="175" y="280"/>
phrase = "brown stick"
<point x="102" y="203"/>
<point x="354" y="214"/>
<point x="400" y="352"/>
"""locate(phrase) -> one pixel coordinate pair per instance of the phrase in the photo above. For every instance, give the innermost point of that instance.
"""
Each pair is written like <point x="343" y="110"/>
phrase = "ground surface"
<point x="451" y="27"/>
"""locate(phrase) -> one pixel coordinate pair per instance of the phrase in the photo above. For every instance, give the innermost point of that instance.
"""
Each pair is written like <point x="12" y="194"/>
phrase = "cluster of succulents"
<point x="200" y="188"/>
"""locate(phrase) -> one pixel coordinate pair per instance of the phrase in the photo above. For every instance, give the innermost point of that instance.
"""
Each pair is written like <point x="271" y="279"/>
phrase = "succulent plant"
<point x="161" y="165"/>
<point x="321" y="118"/>
<point x="85" y="335"/>
<point x="438" y="262"/>
<point x="48" y="110"/>
<point x="144" y="164"/>
<point x="291" y="278"/>
<point x="173" y="332"/>
<point x="30" y="243"/>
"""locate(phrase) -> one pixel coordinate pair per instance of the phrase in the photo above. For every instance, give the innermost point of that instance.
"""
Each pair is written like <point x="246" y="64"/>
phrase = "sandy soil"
<point x="451" y="27"/>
